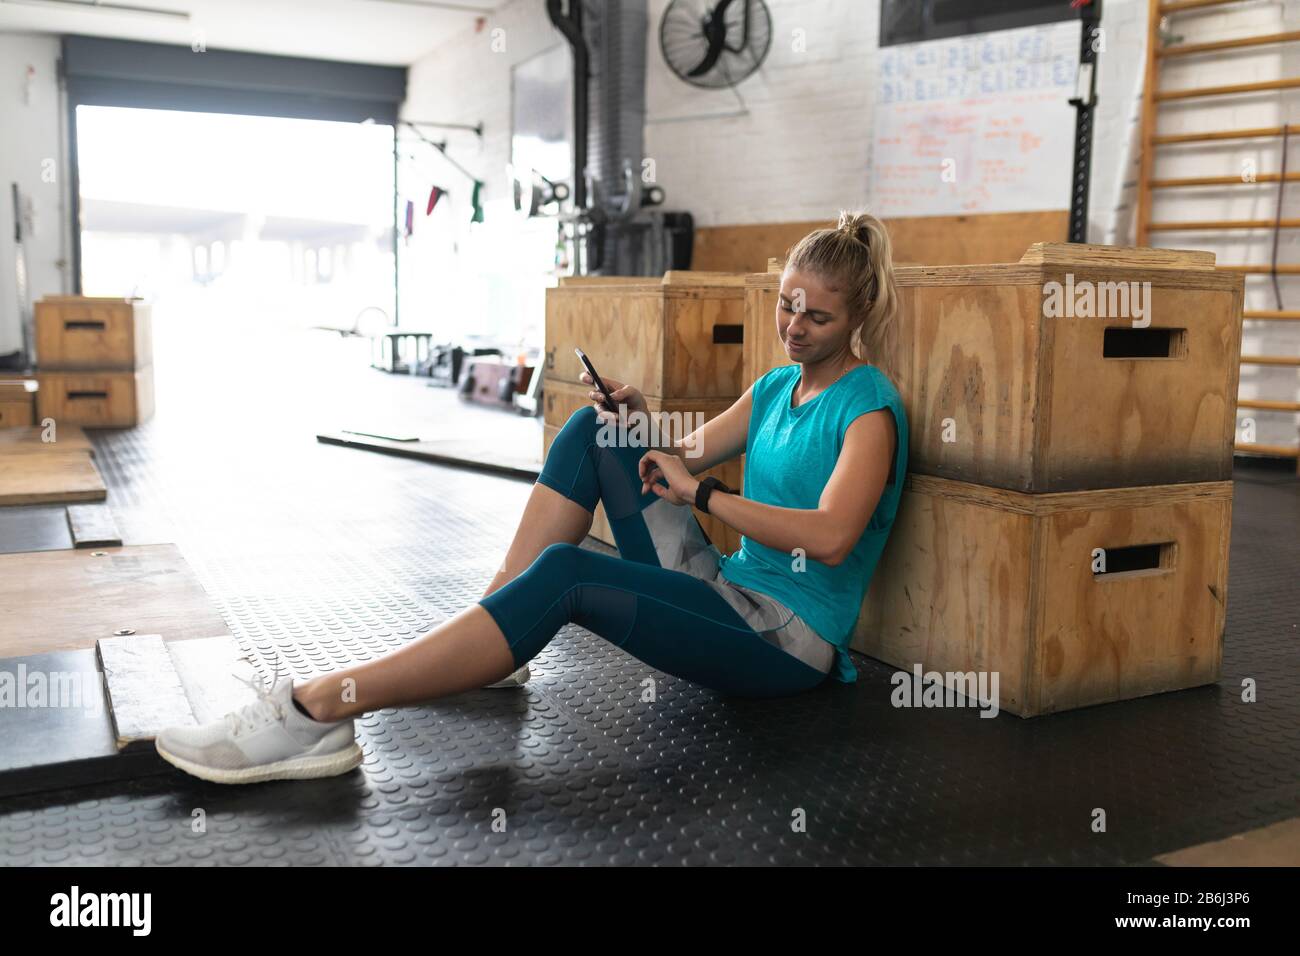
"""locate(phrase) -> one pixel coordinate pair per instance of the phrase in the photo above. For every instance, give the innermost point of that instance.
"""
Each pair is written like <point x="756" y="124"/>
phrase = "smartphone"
<point x="609" y="404"/>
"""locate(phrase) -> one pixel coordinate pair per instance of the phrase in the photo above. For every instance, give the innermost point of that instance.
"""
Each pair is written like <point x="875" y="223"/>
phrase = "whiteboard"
<point x="976" y="124"/>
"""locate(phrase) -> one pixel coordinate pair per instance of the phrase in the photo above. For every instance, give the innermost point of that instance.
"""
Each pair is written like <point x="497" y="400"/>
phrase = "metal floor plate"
<point x="313" y="573"/>
<point x="34" y="528"/>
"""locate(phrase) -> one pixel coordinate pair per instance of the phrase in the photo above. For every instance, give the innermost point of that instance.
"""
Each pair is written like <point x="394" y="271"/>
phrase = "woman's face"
<point x="810" y="317"/>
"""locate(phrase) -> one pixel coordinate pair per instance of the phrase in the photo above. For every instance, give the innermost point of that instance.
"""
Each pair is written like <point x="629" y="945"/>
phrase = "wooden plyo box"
<point x="112" y="399"/>
<point x="563" y="399"/>
<point x="17" y="403"/>
<point x="982" y="579"/>
<point x="87" y="332"/>
<point x="764" y="350"/>
<point x="679" y="336"/>
<point x="999" y="391"/>
<point x="16" y="414"/>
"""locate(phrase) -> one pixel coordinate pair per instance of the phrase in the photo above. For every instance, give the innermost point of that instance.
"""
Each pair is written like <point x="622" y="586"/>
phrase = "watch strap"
<point x="707" y="484"/>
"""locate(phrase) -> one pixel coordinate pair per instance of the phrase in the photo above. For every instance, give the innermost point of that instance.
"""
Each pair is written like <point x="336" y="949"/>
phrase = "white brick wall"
<point x="799" y="149"/>
<point x="1116" y="123"/>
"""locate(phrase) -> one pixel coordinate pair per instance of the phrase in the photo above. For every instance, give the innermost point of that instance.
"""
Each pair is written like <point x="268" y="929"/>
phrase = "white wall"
<point x="487" y="277"/>
<point x="801" y="148"/>
<point x="800" y="152"/>
<point x="1117" y="123"/>
<point x="32" y="133"/>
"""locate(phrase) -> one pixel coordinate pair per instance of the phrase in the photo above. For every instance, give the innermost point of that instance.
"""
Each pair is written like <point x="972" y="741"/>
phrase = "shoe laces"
<point x="265" y="710"/>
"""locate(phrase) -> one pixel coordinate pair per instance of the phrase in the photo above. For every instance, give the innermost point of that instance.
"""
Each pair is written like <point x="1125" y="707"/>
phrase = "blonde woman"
<point x="825" y="439"/>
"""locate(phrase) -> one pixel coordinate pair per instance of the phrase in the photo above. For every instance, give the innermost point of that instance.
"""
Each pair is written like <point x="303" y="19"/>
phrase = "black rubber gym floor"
<point x="320" y="555"/>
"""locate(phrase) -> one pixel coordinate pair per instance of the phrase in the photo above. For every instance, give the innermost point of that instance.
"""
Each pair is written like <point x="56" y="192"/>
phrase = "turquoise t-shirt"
<point x="789" y="457"/>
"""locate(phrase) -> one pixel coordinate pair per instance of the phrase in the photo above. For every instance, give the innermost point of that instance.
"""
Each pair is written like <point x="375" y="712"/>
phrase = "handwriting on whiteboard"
<point x="976" y="124"/>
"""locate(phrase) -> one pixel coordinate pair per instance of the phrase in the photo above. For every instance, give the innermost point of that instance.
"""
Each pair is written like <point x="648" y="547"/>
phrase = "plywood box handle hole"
<point x="1138" y="560"/>
<point x="1129" y="343"/>
<point x="76" y="395"/>
<point x="73" y="324"/>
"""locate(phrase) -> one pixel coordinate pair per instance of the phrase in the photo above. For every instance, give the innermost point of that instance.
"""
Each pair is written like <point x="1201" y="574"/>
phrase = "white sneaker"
<point x="518" y="679"/>
<point x="269" y="739"/>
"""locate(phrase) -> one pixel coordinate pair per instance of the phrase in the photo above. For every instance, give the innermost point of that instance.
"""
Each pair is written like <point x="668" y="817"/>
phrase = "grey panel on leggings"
<point x="681" y="545"/>
<point x="680" y="542"/>
<point x="618" y="496"/>
<point x="777" y="624"/>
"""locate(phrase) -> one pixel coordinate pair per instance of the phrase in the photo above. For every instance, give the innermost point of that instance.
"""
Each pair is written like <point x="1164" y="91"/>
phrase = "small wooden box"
<point x="679" y="336"/>
<point x="17" y="403"/>
<point x="86" y="332"/>
<point x="764" y="350"/>
<point x="1000" y="392"/>
<point x="562" y="400"/>
<point x="979" y="579"/>
<point x="97" y="399"/>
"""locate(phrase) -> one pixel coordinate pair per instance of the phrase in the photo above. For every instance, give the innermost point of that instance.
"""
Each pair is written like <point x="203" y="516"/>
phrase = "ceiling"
<point x="386" y="32"/>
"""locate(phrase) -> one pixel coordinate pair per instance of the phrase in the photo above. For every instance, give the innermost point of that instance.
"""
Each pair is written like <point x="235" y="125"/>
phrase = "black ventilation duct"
<point x="625" y="233"/>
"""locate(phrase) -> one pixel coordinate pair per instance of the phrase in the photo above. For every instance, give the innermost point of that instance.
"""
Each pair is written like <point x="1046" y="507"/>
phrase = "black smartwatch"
<point x="707" y="484"/>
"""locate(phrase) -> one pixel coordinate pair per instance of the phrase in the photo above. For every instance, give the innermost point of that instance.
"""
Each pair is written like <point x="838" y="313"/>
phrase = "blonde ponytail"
<point x="857" y="259"/>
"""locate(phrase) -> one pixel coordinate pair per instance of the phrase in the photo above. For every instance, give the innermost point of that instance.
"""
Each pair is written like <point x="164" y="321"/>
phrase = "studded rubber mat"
<point x="318" y="556"/>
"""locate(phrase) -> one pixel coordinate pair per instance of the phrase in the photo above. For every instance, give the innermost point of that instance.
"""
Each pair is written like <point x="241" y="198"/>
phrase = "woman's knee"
<point x="560" y="560"/>
<point x="577" y="434"/>
<point x="565" y="468"/>
<point x="584" y="419"/>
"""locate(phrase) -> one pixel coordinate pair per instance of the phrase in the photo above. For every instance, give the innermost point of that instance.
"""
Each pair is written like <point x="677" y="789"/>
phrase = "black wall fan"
<point x="715" y="43"/>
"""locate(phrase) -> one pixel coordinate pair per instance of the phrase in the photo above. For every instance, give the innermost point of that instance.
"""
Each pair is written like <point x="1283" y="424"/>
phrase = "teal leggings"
<point x="696" y="626"/>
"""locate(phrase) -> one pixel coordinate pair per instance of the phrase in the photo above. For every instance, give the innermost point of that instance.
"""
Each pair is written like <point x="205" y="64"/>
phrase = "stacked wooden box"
<point x="17" y="403"/>
<point x="1066" y="517"/>
<point x="95" y="357"/>
<point x="677" y="338"/>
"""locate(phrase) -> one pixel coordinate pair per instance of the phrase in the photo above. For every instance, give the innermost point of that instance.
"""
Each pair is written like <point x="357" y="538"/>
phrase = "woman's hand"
<point x="661" y="464"/>
<point x="623" y="395"/>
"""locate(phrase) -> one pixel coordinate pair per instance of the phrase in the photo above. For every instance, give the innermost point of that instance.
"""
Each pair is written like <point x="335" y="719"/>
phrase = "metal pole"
<point x="1084" y="103"/>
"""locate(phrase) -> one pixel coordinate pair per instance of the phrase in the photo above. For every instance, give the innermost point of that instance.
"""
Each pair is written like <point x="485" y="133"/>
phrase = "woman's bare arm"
<point x="720" y="439"/>
<point x="830" y="531"/>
